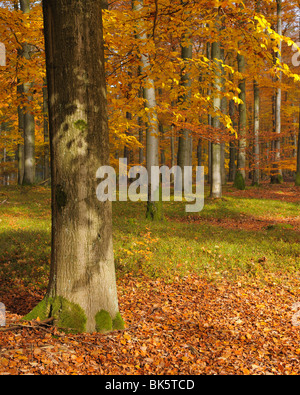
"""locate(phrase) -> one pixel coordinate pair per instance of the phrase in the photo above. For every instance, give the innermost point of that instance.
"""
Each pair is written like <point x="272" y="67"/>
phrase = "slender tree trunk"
<point x="256" y="125"/>
<point x="28" y="118"/>
<point x="20" y="152"/>
<point x="224" y="111"/>
<point x="216" y="176"/>
<point x="232" y="147"/>
<point x="298" y="157"/>
<point x="154" y="205"/>
<point x="242" y="124"/>
<point x="184" y="157"/>
<point x="141" y="141"/>
<point x="199" y="152"/>
<point x="209" y="122"/>
<point x="298" y="144"/>
<point x="82" y="293"/>
<point x="276" y="176"/>
<point x="20" y="146"/>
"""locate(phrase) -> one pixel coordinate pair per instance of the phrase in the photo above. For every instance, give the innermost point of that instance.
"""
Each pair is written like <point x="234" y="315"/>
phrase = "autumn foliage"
<point x="169" y="26"/>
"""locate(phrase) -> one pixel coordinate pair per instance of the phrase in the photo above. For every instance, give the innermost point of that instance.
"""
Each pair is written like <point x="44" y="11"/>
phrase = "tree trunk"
<point x="298" y="157"/>
<point x="298" y="145"/>
<point x="28" y="118"/>
<point x="141" y="140"/>
<point x="154" y="204"/>
<point x="276" y="176"/>
<point x="256" y="124"/>
<point x="242" y="124"/>
<point x="82" y="293"/>
<point x="209" y="121"/>
<point x="232" y="146"/>
<point x="224" y="111"/>
<point x="184" y="157"/>
<point x="199" y="152"/>
<point x="46" y="135"/>
<point x="216" y="175"/>
<point x="20" y="146"/>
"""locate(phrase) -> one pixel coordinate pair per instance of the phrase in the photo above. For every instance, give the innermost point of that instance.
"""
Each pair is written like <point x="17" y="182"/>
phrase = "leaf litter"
<point x="189" y="326"/>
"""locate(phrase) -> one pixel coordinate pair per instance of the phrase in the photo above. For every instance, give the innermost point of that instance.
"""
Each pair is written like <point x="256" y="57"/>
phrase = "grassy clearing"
<point x="180" y="244"/>
<point x="237" y="238"/>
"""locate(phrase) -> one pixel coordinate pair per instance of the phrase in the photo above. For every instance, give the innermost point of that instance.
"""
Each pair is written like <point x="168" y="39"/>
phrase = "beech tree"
<point x="216" y="177"/>
<point x="27" y="117"/>
<point x="152" y="134"/>
<point x="276" y="175"/>
<point x="242" y="125"/>
<point x="82" y="294"/>
<point x="174" y="87"/>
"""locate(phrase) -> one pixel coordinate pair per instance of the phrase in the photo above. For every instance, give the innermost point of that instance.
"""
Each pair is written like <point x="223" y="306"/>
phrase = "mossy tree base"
<point x="297" y="181"/>
<point x="155" y="208"/>
<point x="67" y="316"/>
<point x="104" y="322"/>
<point x="154" y="211"/>
<point x="71" y="318"/>
<point x="239" y="181"/>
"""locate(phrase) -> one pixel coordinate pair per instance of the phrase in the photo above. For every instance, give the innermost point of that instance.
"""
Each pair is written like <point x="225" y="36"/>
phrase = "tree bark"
<point x="47" y="172"/>
<point x="256" y="126"/>
<point x="242" y="123"/>
<point x="298" y="157"/>
<point x="276" y="176"/>
<point x="28" y="118"/>
<point x="154" y="205"/>
<point x="216" y="175"/>
<point x="232" y="146"/>
<point x="82" y="293"/>
<point x="185" y="141"/>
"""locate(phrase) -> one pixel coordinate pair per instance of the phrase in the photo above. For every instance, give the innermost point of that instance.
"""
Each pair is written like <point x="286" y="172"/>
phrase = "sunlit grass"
<point x="179" y="244"/>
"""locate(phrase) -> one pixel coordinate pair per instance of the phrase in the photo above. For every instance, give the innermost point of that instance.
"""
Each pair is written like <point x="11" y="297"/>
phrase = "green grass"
<point x="25" y="235"/>
<point x="173" y="247"/>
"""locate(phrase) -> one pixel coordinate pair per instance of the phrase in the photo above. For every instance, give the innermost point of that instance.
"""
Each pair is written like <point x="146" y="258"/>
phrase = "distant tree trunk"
<point x="82" y="293"/>
<point x="20" y="149"/>
<point x="29" y="123"/>
<point x="298" y="144"/>
<point x="141" y="141"/>
<point x="216" y="175"/>
<point x="232" y="146"/>
<point x="199" y="152"/>
<point x="256" y="123"/>
<point x="127" y="151"/>
<point x="298" y="157"/>
<point x="224" y="111"/>
<point x="154" y="205"/>
<point x="276" y="176"/>
<point x="242" y="125"/>
<point x="184" y="157"/>
<point x="209" y="121"/>
<point x="29" y="143"/>
<point x="20" y="146"/>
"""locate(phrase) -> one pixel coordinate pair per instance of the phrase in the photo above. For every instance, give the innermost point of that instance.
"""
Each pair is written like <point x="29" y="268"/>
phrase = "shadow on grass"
<point x="203" y="246"/>
<point x="24" y="268"/>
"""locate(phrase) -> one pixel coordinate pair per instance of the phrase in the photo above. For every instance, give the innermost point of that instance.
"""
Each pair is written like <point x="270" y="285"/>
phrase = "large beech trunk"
<point x="82" y="294"/>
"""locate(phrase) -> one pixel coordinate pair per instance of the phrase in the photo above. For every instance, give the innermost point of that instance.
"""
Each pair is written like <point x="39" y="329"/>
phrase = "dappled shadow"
<point x="234" y="235"/>
<point x="24" y="268"/>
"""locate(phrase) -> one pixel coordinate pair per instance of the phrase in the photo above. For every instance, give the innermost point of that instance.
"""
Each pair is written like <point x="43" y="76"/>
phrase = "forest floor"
<point x="209" y="293"/>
